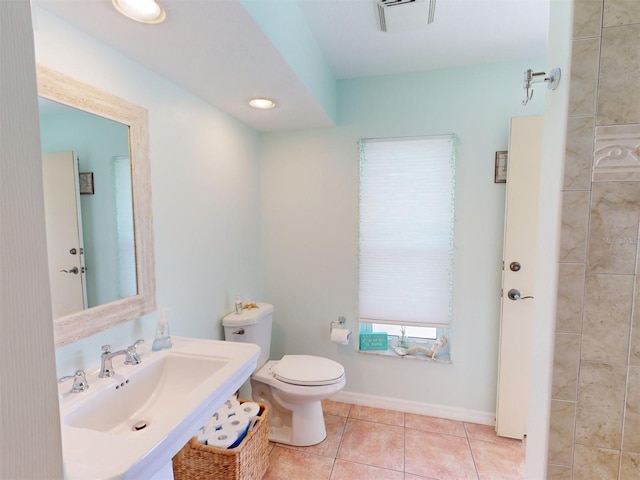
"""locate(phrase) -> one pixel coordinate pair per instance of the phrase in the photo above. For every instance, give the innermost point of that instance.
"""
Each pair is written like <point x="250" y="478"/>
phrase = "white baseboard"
<point x="420" y="408"/>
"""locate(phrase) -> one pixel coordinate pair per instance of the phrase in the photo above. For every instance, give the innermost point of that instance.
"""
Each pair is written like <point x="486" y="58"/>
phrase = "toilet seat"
<point x="308" y="370"/>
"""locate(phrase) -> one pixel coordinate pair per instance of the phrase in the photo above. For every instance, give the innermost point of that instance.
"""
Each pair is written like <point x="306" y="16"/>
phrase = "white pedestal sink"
<point x="129" y="426"/>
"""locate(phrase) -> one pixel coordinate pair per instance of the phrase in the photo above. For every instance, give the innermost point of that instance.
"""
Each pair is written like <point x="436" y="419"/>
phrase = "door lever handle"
<point x="514" y="294"/>
<point x="74" y="270"/>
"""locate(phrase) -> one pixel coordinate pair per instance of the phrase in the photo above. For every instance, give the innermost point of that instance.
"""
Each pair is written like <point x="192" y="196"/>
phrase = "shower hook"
<point x="531" y="77"/>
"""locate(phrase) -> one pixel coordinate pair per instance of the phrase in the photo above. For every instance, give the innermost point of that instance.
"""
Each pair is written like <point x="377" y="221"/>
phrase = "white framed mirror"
<point x="60" y="88"/>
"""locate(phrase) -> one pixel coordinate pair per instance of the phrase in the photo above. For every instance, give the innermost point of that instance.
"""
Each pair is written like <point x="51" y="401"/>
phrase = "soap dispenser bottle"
<point x="163" y="339"/>
<point x="238" y="305"/>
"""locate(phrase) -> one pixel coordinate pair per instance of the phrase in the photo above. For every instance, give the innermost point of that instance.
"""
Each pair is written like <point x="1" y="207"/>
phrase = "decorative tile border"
<point x="616" y="156"/>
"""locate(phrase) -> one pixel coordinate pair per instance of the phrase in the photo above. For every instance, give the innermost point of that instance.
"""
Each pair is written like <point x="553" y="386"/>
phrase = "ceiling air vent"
<point x="404" y="15"/>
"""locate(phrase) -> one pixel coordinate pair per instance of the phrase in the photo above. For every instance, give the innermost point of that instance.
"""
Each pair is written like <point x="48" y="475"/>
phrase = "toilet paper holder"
<point x="340" y="323"/>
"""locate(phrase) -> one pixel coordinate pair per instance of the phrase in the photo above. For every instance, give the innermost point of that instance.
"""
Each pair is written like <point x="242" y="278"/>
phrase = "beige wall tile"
<point x="571" y="278"/>
<point x="561" y="429"/>
<point x="615" y="154"/>
<point x="579" y="155"/>
<point x="621" y="12"/>
<point x="631" y="440"/>
<point x="619" y="83"/>
<point x="587" y="18"/>
<point x="606" y="324"/>
<point x="595" y="463"/>
<point x="629" y="466"/>
<point x="601" y="390"/>
<point x="584" y="76"/>
<point x="613" y="233"/>
<point x="575" y="221"/>
<point x="634" y="353"/>
<point x="556" y="472"/>
<point x="566" y="361"/>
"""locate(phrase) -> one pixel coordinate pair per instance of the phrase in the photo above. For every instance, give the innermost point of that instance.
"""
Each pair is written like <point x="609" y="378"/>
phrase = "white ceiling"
<point x="214" y="49"/>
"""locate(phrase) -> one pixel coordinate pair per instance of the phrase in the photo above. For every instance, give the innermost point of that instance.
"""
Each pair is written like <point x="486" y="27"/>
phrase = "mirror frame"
<point x="60" y="88"/>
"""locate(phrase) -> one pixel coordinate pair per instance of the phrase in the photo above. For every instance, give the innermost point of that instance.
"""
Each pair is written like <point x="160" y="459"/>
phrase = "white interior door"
<point x="64" y="233"/>
<point x="519" y="254"/>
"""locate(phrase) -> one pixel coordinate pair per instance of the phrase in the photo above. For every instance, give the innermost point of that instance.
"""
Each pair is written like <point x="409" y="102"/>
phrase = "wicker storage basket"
<point x="247" y="461"/>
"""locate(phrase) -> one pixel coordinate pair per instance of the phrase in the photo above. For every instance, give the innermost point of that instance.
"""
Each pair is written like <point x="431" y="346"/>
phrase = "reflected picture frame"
<point x="86" y="183"/>
<point x="500" y="169"/>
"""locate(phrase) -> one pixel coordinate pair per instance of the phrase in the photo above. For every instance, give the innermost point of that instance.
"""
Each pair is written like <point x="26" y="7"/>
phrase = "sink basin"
<point x="132" y="424"/>
<point x="145" y="395"/>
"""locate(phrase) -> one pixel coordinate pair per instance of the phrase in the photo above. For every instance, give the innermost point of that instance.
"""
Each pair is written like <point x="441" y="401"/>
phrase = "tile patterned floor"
<point x="365" y="443"/>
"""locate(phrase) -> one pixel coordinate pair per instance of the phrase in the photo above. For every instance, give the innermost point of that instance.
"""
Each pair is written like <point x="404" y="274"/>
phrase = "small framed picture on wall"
<point x="86" y="183"/>
<point x="500" y="174"/>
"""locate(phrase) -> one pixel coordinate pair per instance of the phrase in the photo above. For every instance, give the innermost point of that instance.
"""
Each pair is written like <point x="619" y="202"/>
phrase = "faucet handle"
<point x="106" y="349"/>
<point x="132" y="354"/>
<point x="80" y="383"/>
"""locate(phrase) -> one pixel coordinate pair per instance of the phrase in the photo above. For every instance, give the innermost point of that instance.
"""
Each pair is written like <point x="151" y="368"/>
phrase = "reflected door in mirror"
<point x="64" y="233"/>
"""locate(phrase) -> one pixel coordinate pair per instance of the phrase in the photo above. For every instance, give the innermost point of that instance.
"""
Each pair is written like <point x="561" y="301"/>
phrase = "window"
<point x="124" y="224"/>
<point x="406" y="234"/>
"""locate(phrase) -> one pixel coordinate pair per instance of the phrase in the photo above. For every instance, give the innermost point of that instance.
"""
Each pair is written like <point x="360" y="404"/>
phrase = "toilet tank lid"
<point x="249" y="316"/>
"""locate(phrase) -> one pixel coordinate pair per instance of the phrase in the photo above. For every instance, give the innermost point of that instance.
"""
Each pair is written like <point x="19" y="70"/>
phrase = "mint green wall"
<point x="95" y="141"/>
<point x="235" y="210"/>
<point x="309" y="201"/>
<point x="286" y="27"/>
<point x="205" y="194"/>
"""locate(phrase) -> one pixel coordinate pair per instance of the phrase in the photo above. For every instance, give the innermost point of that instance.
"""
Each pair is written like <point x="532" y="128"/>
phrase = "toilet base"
<point x="300" y="426"/>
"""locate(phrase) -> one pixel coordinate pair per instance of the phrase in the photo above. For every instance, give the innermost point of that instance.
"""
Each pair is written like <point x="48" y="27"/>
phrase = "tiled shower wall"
<point x="595" y="406"/>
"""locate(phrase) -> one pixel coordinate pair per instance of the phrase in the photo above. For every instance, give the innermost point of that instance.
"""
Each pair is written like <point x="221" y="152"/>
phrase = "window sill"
<point x="441" y="358"/>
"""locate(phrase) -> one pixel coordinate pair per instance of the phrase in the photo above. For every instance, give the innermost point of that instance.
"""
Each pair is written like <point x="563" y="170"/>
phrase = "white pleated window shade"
<point x="124" y="222"/>
<point x="406" y="230"/>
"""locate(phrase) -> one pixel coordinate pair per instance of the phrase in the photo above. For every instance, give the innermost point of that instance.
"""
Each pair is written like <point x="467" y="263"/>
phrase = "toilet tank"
<point x="253" y="325"/>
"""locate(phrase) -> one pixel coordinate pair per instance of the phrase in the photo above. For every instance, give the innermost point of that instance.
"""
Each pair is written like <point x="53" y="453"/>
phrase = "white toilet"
<point x="292" y="387"/>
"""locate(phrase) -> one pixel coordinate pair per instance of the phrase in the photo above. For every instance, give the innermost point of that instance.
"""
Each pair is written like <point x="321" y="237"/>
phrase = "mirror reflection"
<point x="88" y="206"/>
<point x="72" y="327"/>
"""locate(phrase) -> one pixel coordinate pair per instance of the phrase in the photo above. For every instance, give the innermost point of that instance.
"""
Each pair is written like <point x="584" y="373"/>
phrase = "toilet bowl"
<point x="292" y="387"/>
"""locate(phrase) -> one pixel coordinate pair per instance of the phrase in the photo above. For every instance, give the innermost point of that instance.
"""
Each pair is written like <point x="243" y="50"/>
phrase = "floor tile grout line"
<point x="473" y="459"/>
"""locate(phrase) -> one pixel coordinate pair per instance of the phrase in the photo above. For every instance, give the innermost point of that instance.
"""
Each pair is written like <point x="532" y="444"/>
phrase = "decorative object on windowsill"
<point x="531" y="77"/>
<point x="500" y="172"/>
<point x="403" y="341"/>
<point x="86" y="183"/>
<point x="373" y="341"/>
<point x="429" y="352"/>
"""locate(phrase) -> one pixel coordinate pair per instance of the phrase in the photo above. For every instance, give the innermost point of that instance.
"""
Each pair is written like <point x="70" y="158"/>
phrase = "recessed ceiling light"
<point x="262" y="103"/>
<point x="144" y="11"/>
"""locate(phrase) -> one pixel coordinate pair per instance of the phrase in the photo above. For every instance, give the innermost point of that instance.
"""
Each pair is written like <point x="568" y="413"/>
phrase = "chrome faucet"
<point x="80" y="383"/>
<point x="106" y="359"/>
<point x="132" y="354"/>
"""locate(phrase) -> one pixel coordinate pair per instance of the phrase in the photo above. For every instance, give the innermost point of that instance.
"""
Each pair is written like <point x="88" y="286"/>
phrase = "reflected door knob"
<point x="514" y="294"/>
<point x="74" y="270"/>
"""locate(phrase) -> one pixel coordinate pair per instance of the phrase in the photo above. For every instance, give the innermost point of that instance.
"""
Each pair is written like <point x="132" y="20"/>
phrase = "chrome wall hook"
<point x="531" y="77"/>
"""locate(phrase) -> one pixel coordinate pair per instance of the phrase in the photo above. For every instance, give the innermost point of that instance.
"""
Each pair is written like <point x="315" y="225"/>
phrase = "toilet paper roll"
<point x="212" y="424"/>
<point x="201" y="436"/>
<point x="340" y="336"/>
<point x="222" y="438"/>
<point x="248" y="409"/>
<point x="237" y="423"/>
